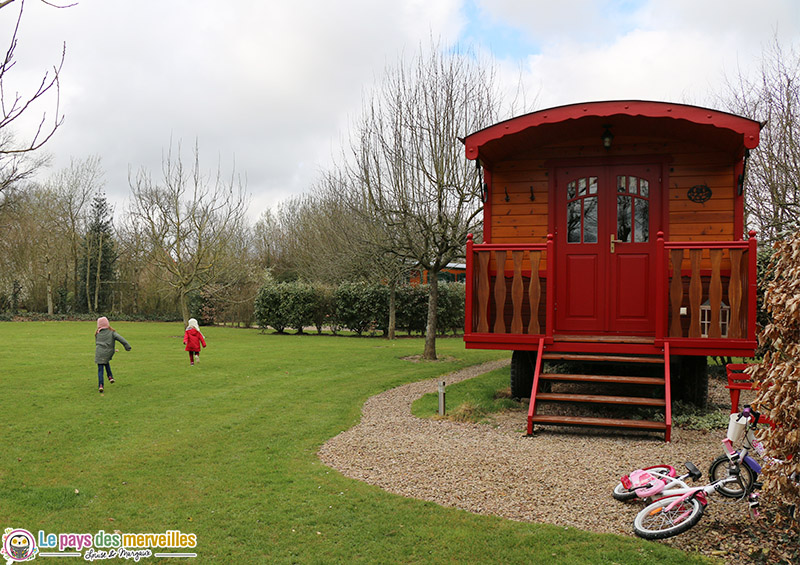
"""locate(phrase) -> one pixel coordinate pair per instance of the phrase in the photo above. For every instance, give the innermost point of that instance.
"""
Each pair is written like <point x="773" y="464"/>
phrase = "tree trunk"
<point x="392" y="310"/>
<point x="75" y="271"/>
<point x="184" y="306"/>
<point x="430" y="331"/>
<point x="49" y="285"/>
<point x="88" y="272"/>
<point x="97" y="276"/>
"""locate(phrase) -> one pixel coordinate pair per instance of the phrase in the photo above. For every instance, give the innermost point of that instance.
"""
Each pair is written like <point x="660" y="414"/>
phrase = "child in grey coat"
<point x="104" y="338"/>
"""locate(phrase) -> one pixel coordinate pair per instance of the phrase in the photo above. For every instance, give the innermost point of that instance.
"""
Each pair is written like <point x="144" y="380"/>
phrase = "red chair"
<point x="738" y="381"/>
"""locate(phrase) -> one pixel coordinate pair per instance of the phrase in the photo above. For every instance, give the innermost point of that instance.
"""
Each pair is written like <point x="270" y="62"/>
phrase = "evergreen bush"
<point x="360" y="306"/>
<point x="450" y="311"/>
<point x="270" y="311"/>
<point x="412" y="308"/>
<point x="356" y="306"/>
<point x="299" y="301"/>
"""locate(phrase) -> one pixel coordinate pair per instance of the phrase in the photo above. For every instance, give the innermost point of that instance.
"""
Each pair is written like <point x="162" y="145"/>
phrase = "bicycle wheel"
<point x="720" y="470"/>
<point x="623" y="494"/>
<point x="656" y="522"/>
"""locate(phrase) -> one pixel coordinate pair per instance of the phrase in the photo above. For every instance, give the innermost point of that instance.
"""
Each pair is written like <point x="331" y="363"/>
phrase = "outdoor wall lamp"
<point x="607" y="137"/>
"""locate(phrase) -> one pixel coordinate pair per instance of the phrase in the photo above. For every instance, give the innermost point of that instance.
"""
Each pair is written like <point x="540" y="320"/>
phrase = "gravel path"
<point x="496" y="469"/>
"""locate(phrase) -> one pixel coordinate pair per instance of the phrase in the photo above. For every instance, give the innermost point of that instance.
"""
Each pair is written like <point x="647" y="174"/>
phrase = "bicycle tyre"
<point x="653" y="522"/>
<point x="622" y="494"/>
<point x="719" y="470"/>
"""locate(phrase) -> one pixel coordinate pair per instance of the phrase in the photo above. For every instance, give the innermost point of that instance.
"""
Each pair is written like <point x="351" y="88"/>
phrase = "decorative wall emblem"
<point x="699" y="193"/>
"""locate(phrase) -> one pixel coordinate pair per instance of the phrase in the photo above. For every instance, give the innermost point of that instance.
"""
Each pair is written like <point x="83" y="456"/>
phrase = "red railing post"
<point x="661" y="288"/>
<point x="667" y="394"/>
<point x="752" y="284"/>
<point x="536" y="372"/>
<point x="551" y="279"/>
<point x="469" y="289"/>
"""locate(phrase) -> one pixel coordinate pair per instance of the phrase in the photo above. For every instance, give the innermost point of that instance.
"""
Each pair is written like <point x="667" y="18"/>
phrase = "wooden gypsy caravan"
<point x="613" y="231"/>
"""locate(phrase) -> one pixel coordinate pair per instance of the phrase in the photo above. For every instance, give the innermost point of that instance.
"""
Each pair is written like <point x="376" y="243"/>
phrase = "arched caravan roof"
<point x="722" y="130"/>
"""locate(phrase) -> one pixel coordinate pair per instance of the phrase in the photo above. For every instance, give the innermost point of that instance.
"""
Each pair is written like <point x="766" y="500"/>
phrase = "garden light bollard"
<point x="441" y="398"/>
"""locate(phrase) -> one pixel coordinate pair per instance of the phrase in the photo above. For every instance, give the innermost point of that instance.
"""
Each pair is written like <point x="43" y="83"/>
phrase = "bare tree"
<point x="267" y="240"/>
<point x="353" y="244"/>
<point x="72" y="190"/>
<point x="773" y="170"/>
<point x="190" y="221"/>
<point x="409" y="168"/>
<point x="135" y="265"/>
<point x="326" y="242"/>
<point x="32" y="249"/>
<point x="16" y="163"/>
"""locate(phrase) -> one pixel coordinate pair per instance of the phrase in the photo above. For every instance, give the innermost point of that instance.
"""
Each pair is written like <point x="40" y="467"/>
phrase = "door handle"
<point x="614" y="241"/>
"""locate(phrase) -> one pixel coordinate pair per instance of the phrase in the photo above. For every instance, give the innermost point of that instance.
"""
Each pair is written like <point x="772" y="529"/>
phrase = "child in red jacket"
<point x="193" y="338"/>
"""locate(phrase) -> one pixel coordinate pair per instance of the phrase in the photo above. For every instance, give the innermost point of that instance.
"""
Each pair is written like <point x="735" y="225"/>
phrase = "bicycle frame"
<point x="695" y="492"/>
<point x="743" y="455"/>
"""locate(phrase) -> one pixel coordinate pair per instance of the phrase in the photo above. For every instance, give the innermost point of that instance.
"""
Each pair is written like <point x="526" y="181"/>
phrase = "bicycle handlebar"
<point x="748" y="412"/>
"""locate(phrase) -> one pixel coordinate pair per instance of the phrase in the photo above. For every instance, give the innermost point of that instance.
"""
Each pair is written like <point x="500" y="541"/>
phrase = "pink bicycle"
<point x="674" y="506"/>
<point x="681" y="508"/>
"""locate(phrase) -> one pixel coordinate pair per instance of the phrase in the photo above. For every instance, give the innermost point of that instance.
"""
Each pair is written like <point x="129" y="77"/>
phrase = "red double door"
<point x="606" y="221"/>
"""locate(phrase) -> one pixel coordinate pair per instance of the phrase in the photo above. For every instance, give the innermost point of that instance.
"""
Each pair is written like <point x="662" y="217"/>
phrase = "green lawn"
<point x="227" y="450"/>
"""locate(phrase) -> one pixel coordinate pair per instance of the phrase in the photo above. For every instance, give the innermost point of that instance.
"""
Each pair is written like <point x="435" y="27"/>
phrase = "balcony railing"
<point x="516" y="304"/>
<point x="705" y="294"/>
<point x="711" y="276"/>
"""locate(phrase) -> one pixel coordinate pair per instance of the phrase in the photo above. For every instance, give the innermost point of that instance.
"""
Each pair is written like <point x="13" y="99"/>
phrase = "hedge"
<point x="356" y="306"/>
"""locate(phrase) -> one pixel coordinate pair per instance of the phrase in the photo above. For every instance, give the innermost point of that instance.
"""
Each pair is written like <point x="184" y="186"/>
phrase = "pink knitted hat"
<point x="102" y="324"/>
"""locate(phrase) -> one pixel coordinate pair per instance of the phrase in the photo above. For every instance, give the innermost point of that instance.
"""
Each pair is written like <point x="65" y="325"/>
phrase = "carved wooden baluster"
<point x="535" y="293"/>
<point x="676" y="293"/>
<point x="500" y="293"/>
<point x="735" y="295"/>
<point x="695" y="292"/>
<point x="715" y="294"/>
<point x="516" y="292"/>
<point x="483" y="292"/>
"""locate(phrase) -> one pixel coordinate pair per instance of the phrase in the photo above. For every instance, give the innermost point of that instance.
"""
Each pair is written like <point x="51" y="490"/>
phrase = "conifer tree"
<point x="99" y="257"/>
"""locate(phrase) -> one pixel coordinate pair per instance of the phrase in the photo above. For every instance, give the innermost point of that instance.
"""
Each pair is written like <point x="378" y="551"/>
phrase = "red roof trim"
<point x="749" y="129"/>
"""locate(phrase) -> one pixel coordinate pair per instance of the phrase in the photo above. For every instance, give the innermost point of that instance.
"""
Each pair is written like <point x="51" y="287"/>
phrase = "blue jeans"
<point x="100" y="373"/>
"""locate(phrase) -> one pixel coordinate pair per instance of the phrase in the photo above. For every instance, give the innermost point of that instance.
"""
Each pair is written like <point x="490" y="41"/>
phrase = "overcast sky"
<point x="271" y="86"/>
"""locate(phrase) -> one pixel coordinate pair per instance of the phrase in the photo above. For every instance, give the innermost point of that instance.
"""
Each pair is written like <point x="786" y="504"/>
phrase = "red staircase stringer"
<point x="536" y="372"/>
<point x="667" y="395"/>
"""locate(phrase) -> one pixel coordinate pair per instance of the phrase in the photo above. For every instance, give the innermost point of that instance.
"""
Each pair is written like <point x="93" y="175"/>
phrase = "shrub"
<point x="356" y="306"/>
<point x="412" y="308"/>
<point x="299" y="302"/>
<point x="450" y="311"/>
<point x="778" y="376"/>
<point x="323" y="307"/>
<point x="360" y="307"/>
<point x="270" y="310"/>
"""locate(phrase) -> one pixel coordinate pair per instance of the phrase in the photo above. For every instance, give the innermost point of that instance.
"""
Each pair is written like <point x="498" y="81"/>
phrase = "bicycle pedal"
<point x="694" y="472"/>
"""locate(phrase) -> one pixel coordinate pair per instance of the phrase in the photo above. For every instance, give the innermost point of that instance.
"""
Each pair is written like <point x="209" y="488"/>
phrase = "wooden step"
<point x="598" y="422"/>
<point x="635" y="339"/>
<point x="626" y="380"/>
<point x="600" y="399"/>
<point x="603" y="358"/>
